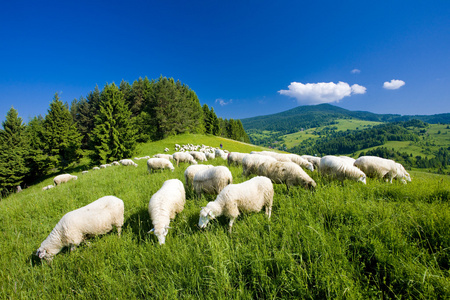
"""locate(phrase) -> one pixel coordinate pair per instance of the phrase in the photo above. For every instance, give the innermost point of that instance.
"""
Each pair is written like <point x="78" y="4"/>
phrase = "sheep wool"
<point x="235" y="158"/>
<point x="249" y="196"/>
<point x="183" y="157"/>
<point x="315" y="160"/>
<point x="155" y="163"/>
<point x="127" y="162"/>
<point x="288" y="173"/>
<point x="168" y="201"/>
<point x="212" y="180"/>
<point x="166" y="156"/>
<point x="251" y="163"/>
<point x="340" y="168"/>
<point x="199" y="156"/>
<point x="63" y="178"/>
<point x="190" y="172"/>
<point x="96" y="218"/>
<point x="377" y="167"/>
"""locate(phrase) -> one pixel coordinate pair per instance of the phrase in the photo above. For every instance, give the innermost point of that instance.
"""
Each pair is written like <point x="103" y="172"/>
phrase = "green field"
<point x="294" y="139"/>
<point x="342" y="241"/>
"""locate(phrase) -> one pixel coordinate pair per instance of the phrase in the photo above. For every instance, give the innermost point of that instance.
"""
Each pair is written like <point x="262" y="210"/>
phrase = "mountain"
<point x="303" y="117"/>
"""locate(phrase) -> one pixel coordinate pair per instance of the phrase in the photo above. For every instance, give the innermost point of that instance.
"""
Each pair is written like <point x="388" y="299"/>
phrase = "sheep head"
<point x="160" y="233"/>
<point x="206" y="215"/>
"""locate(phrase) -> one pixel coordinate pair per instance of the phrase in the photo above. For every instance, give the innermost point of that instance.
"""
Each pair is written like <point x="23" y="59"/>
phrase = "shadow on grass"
<point x="140" y="224"/>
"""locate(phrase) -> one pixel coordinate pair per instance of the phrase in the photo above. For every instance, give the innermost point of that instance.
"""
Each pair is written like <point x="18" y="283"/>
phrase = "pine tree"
<point x="207" y="119"/>
<point x="214" y="122"/>
<point x="37" y="161"/>
<point x="62" y="139"/>
<point x="113" y="136"/>
<point x="13" y="151"/>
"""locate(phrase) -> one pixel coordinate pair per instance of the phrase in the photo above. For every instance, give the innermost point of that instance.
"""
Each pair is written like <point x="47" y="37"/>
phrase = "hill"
<point x="304" y="117"/>
<point x="363" y="241"/>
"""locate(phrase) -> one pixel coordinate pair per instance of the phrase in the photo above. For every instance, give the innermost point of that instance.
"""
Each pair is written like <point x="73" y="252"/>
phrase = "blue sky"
<point x="244" y="58"/>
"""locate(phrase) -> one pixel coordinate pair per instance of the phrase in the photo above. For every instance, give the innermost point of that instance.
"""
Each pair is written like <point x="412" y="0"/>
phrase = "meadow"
<point x="345" y="240"/>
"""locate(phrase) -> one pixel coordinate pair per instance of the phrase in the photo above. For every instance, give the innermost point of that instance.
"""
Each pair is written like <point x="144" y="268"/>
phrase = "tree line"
<point x="104" y="126"/>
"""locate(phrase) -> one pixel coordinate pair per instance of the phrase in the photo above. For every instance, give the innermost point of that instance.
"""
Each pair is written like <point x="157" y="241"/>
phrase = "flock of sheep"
<point x="102" y="215"/>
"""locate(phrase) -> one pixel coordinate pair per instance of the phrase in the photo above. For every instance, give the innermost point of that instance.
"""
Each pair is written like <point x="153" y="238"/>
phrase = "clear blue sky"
<point x="244" y="58"/>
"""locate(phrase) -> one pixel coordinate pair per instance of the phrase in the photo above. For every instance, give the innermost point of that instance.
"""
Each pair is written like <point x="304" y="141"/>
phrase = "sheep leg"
<point x="268" y="211"/>
<point x="230" y="224"/>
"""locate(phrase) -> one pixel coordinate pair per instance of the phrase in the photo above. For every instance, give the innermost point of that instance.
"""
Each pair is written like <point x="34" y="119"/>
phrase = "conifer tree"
<point x="207" y="119"/>
<point x="37" y="161"/>
<point x="113" y="136"/>
<point x="214" y="122"/>
<point x="62" y="139"/>
<point x="13" y="151"/>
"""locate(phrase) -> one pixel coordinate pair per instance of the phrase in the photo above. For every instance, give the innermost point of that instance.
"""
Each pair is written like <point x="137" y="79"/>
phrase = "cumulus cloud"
<point x="223" y="102"/>
<point x="393" y="84"/>
<point x="355" y="71"/>
<point x="321" y="92"/>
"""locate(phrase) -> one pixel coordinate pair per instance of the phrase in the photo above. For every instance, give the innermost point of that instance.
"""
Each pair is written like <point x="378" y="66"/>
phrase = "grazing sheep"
<point x="235" y="158"/>
<point x="63" y="178"/>
<point x="183" y="157"/>
<point x="340" y="168"/>
<point x="288" y="173"/>
<point x="166" y="149"/>
<point x="377" y="167"/>
<point x="168" y="201"/>
<point x="115" y="163"/>
<point x="190" y="172"/>
<point x="155" y="163"/>
<point x="249" y="196"/>
<point x="349" y="159"/>
<point x="212" y="180"/>
<point x="315" y="160"/>
<point x="95" y="168"/>
<point x="84" y="172"/>
<point x="200" y="156"/>
<point x="221" y="153"/>
<point x="98" y="217"/>
<point x="210" y="155"/>
<point x="251" y="163"/>
<point x="302" y="162"/>
<point x="166" y="156"/>
<point x="128" y="162"/>
<point x="48" y="187"/>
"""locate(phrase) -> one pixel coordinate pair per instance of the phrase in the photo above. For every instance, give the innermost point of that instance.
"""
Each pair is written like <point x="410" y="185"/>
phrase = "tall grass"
<point x="344" y="240"/>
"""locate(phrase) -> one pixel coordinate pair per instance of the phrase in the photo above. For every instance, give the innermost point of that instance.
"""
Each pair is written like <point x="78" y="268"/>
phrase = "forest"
<point x="104" y="126"/>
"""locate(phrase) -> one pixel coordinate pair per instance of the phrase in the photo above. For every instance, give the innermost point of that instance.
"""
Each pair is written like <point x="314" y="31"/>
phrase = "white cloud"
<point x="358" y="89"/>
<point x="355" y="71"/>
<point x="393" y="84"/>
<point x="321" y="92"/>
<point x="223" y="102"/>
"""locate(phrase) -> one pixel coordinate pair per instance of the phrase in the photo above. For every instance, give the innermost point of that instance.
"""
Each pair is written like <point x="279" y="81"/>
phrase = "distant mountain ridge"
<point x="303" y="117"/>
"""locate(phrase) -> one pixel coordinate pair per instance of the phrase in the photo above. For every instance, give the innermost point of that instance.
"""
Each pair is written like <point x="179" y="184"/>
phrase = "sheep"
<point x="48" y="187"/>
<point x="95" y="168"/>
<point x="288" y="173"/>
<point x="168" y="201"/>
<point x="166" y="149"/>
<point x="128" y="162"/>
<point x="144" y="157"/>
<point x="348" y="158"/>
<point x="340" y="168"/>
<point x="210" y="155"/>
<point x="377" y="167"/>
<point x="220" y="153"/>
<point x="96" y="218"/>
<point x="315" y="160"/>
<point x="302" y="162"/>
<point x="251" y="162"/>
<point x="190" y="172"/>
<point x="115" y="163"/>
<point x="84" y="172"/>
<point x="199" y="156"/>
<point x="63" y="178"/>
<point x="249" y="196"/>
<point x="235" y="158"/>
<point x="166" y="156"/>
<point x="155" y="163"/>
<point x="183" y="157"/>
<point x="212" y="180"/>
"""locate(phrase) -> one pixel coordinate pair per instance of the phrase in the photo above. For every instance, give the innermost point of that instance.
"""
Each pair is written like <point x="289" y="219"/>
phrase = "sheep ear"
<point x="211" y="214"/>
<point x="152" y="231"/>
<point x="41" y="254"/>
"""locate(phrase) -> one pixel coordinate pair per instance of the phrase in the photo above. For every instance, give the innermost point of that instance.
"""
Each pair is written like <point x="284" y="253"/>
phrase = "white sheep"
<point x="63" y="178"/>
<point x="288" y="173"/>
<point x="251" y="163"/>
<point x="351" y="160"/>
<point x="315" y="160"/>
<point x="95" y="168"/>
<point x="168" y="201"/>
<point x="96" y="218"/>
<point x="199" y="156"/>
<point x="156" y="163"/>
<point x="212" y="180"/>
<point x="302" y="162"/>
<point x="340" y="168"/>
<point x="249" y="196"/>
<point x="183" y="157"/>
<point x="115" y="163"/>
<point x="48" y="187"/>
<point x="190" y="172"/>
<point x="221" y="153"/>
<point x="166" y="156"/>
<point x="235" y="158"/>
<point x="128" y="162"/>
<point x="210" y="155"/>
<point x="377" y="167"/>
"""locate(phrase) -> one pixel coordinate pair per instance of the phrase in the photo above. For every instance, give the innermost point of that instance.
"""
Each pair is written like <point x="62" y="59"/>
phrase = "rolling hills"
<point x="344" y="240"/>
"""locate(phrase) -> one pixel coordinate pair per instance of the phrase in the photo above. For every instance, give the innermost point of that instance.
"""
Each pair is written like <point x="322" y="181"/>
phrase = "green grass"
<point x="345" y="240"/>
<point x="294" y="139"/>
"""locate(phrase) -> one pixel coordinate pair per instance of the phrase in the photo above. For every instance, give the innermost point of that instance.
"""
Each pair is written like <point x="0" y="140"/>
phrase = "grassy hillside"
<point x="345" y="240"/>
<point x="293" y="139"/>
